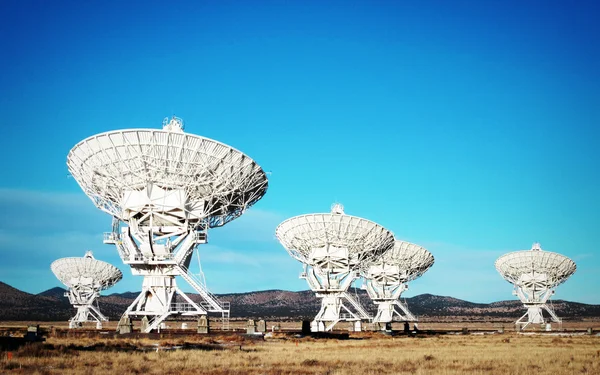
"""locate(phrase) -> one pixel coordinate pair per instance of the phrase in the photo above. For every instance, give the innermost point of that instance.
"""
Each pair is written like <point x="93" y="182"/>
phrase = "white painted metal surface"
<point x="535" y="275"/>
<point x="165" y="189"/>
<point x="387" y="276"/>
<point x="331" y="247"/>
<point x="85" y="277"/>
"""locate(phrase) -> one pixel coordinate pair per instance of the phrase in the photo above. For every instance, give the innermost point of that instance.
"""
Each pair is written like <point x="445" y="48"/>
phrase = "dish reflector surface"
<point x="87" y="270"/>
<point x="335" y="233"/>
<point x="405" y="258"/>
<point x="198" y="177"/>
<point x="543" y="267"/>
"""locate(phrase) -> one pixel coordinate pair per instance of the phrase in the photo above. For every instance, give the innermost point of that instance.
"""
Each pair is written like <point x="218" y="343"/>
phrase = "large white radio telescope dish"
<point x="165" y="188"/>
<point x="129" y="173"/>
<point x="85" y="277"/>
<point x="332" y="246"/>
<point x="535" y="274"/>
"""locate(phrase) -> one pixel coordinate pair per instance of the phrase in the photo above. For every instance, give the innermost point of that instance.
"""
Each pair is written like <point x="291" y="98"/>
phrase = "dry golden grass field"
<point x="362" y="353"/>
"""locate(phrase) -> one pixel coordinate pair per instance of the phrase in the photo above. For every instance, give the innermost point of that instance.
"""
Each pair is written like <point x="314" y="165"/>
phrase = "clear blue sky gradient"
<point x="469" y="127"/>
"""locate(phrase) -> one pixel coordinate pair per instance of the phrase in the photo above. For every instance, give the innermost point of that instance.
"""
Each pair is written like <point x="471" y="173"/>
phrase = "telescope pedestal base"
<point x="157" y="302"/>
<point x="87" y="313"/>
<point x="534" y="315"/>
<point x="387" y="309"/>
<point x="333" y="310"/>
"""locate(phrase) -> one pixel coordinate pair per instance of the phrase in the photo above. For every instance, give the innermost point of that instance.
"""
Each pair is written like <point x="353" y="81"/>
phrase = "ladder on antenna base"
<point x="225" y="314"/>
<point x="154" y="323"/>
<point x="406" y="315"/>
<point x="211" y="303"/>
<point x="362" y="312"/>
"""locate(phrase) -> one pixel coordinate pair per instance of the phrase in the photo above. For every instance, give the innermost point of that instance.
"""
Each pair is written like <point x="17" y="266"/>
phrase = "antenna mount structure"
<point x="386" y="279"/>
<point x="164" y="189"/>
<point x="85" y="277"/>
<point x="535" y="275"/>
<point x="331" y="247"/>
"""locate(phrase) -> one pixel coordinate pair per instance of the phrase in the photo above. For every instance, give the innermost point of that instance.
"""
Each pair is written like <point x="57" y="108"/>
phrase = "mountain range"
<point x="52" y="305"/>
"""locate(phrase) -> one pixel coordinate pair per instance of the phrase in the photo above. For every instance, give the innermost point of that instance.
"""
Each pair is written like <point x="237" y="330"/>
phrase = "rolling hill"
<point x="52" y="305"/>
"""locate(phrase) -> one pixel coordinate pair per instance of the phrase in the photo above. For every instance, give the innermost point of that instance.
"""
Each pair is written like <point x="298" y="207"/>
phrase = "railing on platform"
<point x="111" y="238"/>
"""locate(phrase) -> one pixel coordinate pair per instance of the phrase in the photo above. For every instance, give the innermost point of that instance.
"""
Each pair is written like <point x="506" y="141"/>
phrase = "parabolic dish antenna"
<point x="134" y="173"/>
<point x="85" y="277"/>
<point x="331" y="247"/>
<point x="164" y="189"/>
<point x="535" y="274"/>
<point x="386" y="278"/>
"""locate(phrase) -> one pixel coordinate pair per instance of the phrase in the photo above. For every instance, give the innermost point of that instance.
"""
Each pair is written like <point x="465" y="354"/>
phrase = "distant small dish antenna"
<point x="85" y="277"/>
<point x="535" y="275"/>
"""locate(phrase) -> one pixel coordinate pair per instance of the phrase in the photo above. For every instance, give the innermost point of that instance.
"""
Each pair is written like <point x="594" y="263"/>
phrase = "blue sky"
<point x="468" y="127"/>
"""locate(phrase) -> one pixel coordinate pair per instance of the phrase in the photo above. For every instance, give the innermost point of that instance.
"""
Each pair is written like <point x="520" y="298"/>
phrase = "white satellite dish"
<point x="85" y="277"/>
<point x="386" y="278"/>
<point x="535" y="275"/>
<point x="165" y="189"/>
<point x="331" y="247"/>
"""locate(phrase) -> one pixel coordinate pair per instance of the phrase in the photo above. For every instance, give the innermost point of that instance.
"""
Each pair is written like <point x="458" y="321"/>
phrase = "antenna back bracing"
<point x="165" y="189"/>
<point x="535" y="275"/>
<point x="386" y="278"/>
<point x="85" y="277"/>
<point x="332" y="246"/>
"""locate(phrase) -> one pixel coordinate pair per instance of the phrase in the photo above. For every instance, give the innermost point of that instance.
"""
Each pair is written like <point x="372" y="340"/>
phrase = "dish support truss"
<point x="159" y="254"/>
<point x="534" y="292"/>
<point x="386" y="295"/>
<point x="330" y="278"/>
<point x="83" y="297"/>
